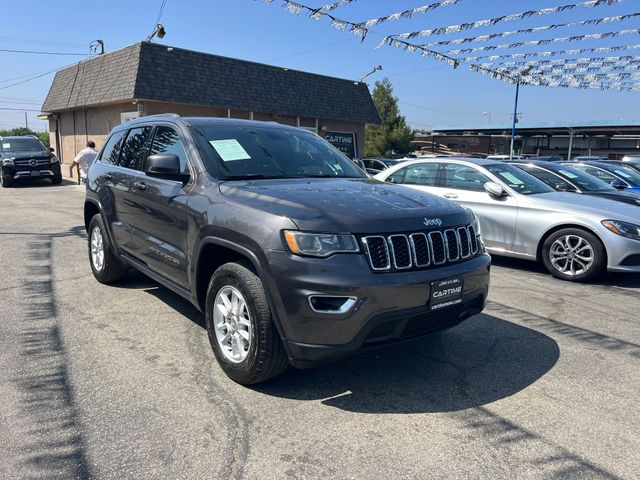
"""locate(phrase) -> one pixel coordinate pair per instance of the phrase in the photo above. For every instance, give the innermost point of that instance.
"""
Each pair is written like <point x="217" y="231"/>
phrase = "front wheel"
<point x="240" y="328"/>
<point x="6" y="181"/>
<point x="573" y="254"/>
<point x="105" y="265"/>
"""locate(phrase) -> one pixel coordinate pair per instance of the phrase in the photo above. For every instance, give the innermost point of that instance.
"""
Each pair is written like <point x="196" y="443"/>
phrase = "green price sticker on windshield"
<point x="230" y="150"/>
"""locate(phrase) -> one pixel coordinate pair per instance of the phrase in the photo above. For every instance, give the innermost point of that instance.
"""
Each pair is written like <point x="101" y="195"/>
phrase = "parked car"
<point x="575" y="237"/>
<point x="565" y="178"/>
<point x="548" y="158"/>
<point x="588" y="158"/>
<point x="292" y="253"/>
<point x="628" y="163"/>
<point x="26" y="157"/>
<point x="377" y="165"/>
<point x="618" y="175"/>
<point x="505" y="157"/>
<point x="632" y="159"/>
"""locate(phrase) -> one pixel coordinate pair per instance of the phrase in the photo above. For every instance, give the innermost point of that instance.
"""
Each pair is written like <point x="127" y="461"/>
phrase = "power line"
<point x="160" y="12"/>
<point x="19" y="109"/>
<point x="312" y="49"/>
<point x="32" y="41"/>
<point x="43" y="53"/>
<point x="35" y="77"/>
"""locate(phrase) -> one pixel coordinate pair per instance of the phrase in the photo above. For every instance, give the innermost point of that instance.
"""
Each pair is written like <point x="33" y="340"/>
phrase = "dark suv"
<point x="27" y="157"/>
<point x="292" y="253"/>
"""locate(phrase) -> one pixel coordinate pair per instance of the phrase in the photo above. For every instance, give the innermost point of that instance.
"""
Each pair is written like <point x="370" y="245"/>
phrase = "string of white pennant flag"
<point x="606" y="61"/>
<point x="504" y="18"/>
<point x="573" y="38"/>
<point x="492" y="36"/>
<point x="332" y="6"/>
<point x="549" y="54"/>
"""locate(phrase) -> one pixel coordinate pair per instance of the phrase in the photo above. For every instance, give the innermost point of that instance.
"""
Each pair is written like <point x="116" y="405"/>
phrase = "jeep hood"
<point x="346" y="205"/>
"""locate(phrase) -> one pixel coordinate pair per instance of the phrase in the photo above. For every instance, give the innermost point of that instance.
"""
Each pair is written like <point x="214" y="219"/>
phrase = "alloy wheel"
<point x="97" y="249"/>
<point x="232" y="324"/>
<point x="571" y="255"/>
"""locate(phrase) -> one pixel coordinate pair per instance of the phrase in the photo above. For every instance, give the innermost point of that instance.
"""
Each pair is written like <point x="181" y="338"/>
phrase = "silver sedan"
<point x="576" y="237"/>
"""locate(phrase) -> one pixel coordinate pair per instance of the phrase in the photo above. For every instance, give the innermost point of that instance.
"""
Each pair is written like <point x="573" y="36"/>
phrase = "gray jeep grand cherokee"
<point x="292" y="253"/>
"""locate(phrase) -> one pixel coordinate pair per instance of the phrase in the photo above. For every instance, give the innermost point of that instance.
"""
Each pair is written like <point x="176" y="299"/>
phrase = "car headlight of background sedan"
<point x="319" y="244"/>
<point x="624" y="229"/>
<point x="7" y="161"/>
<point x="54" y="159"/>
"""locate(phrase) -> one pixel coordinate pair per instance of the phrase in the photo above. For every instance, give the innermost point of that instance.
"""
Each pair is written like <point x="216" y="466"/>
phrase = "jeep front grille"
<point x="420" y="250"/>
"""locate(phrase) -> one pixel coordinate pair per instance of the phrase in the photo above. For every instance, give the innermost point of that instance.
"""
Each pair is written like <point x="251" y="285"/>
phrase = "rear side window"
<point x="134" y="150"/>
<point x="111" y="149"/>
<point x="550" y="178"/>
<point x="461" y="177"/>
<point x="167" y="140"/>
<point x="425" y="174"/>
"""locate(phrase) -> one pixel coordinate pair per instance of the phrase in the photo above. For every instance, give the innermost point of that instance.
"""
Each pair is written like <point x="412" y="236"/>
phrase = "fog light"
<point x="329" y="304"/>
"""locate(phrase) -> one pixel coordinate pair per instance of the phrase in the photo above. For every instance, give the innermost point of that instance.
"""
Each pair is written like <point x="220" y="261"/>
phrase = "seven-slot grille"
<point x="420" y="250"/>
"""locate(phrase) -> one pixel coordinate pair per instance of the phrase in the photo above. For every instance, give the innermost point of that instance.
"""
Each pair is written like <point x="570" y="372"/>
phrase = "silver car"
<point x="576" y="237"/>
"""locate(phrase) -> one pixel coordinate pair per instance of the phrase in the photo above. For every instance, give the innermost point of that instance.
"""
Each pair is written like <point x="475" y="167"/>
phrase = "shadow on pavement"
<point x="478" y="362"/>
<point x="56" y="446"/>
<point x="42" y="182"/>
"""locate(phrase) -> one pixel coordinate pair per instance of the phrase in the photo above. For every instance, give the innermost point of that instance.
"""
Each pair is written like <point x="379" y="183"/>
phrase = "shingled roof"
<point x="149" y="71"/>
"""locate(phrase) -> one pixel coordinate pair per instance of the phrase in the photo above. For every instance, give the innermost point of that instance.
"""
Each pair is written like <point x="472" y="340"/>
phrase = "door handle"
<point x="140" y="185"/>
<point x="450" y="195"/>
<point x="108" y="176"/>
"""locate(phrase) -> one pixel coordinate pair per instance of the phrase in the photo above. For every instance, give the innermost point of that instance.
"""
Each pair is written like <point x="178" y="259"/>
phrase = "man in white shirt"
<point x="85" y="158"/>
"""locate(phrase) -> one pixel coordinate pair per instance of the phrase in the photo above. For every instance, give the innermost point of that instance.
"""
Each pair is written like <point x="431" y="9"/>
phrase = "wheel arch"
<point x="91" y="208"/>
<point x="577" y="226"/>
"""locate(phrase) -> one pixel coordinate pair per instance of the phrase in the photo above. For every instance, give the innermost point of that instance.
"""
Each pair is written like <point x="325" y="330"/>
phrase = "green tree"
<point x="22" y="131"/>
<point x="393" y="135"/>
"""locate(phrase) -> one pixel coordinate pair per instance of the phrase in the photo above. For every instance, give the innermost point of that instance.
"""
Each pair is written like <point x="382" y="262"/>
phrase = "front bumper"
<point x="623" y="254"/>
<point x="39" y="171"/>
<point x="390" y="306"/>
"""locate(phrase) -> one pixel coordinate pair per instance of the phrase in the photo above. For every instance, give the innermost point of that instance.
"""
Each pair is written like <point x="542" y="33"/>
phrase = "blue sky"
<point x="430" y="92"/>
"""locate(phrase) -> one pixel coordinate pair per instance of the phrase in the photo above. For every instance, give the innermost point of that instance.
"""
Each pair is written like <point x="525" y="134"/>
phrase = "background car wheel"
<point x="241" y="331"/>
<point x="104" y="264"/>
<point x="573" y="254"/>
<point x="6" y="181"/>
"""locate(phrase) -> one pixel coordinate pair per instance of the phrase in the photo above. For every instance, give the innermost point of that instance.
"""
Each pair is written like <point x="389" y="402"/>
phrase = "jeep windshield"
<point x="254" y="152"/>
<point x="25" y="144"/>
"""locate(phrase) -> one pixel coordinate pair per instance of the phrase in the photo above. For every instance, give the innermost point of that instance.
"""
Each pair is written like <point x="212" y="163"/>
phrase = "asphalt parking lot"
<point x="119" y="381"/>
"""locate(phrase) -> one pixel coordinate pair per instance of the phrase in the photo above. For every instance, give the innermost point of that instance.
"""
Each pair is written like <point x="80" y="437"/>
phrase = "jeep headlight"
<point x="624" y="229"/>
<point x="319" y="244"/>
<point x="7" y="161"/>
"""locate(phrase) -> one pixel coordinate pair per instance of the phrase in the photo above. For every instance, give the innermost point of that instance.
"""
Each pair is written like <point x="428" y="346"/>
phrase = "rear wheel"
<point x="104" y="264"/>
<point x="240" y="327"/>
<point x="573" y="254"/>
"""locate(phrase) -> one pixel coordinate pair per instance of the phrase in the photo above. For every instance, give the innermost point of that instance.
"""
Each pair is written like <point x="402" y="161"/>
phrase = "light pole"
<point x="515" y="109"/>
<point x="375" y="69"/>
<point x="488" y="115"/>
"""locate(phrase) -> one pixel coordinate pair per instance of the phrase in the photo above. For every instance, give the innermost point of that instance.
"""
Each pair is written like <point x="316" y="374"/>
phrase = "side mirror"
<point x="165" y="165"/>
<point x="51" y="149"/>
<point x="494" y="189"/>
<point x="618" y="184"/>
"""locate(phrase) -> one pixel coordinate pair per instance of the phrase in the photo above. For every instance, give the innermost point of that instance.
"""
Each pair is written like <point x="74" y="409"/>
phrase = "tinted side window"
<point x="551" y="179"/>
<point x="461" y="177"/>
<point x="111" y="149"/>
<point x="596" y="172"/>
<point x="397" y="177"/>
<point x="167" y="140"/>
<point x="425" y="174"/>
<point x="135" y="148"/>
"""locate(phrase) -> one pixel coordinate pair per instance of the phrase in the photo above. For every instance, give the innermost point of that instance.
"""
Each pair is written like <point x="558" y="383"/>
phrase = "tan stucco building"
<point x="87" y="100"/>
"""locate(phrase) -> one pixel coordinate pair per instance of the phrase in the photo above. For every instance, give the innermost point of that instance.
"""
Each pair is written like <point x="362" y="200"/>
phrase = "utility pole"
<point x="515" y="108"/>
<point x="26" y="121"/>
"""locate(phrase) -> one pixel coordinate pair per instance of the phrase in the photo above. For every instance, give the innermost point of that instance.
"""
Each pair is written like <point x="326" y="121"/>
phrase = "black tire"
<point x="112" y="269"/>
<point x="6" y="181"/>
<point x="56" y="179"/>
<point x="597" y="266"/>
<point x="266" y="357"/>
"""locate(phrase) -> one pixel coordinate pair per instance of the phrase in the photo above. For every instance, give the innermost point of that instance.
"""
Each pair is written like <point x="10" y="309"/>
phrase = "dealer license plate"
<point x="35" y="173"/>
<point x="445" y="293"/>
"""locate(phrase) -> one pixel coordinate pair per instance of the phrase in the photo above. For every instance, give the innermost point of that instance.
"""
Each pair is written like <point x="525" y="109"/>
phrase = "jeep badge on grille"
<point x="432" y="222"/>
